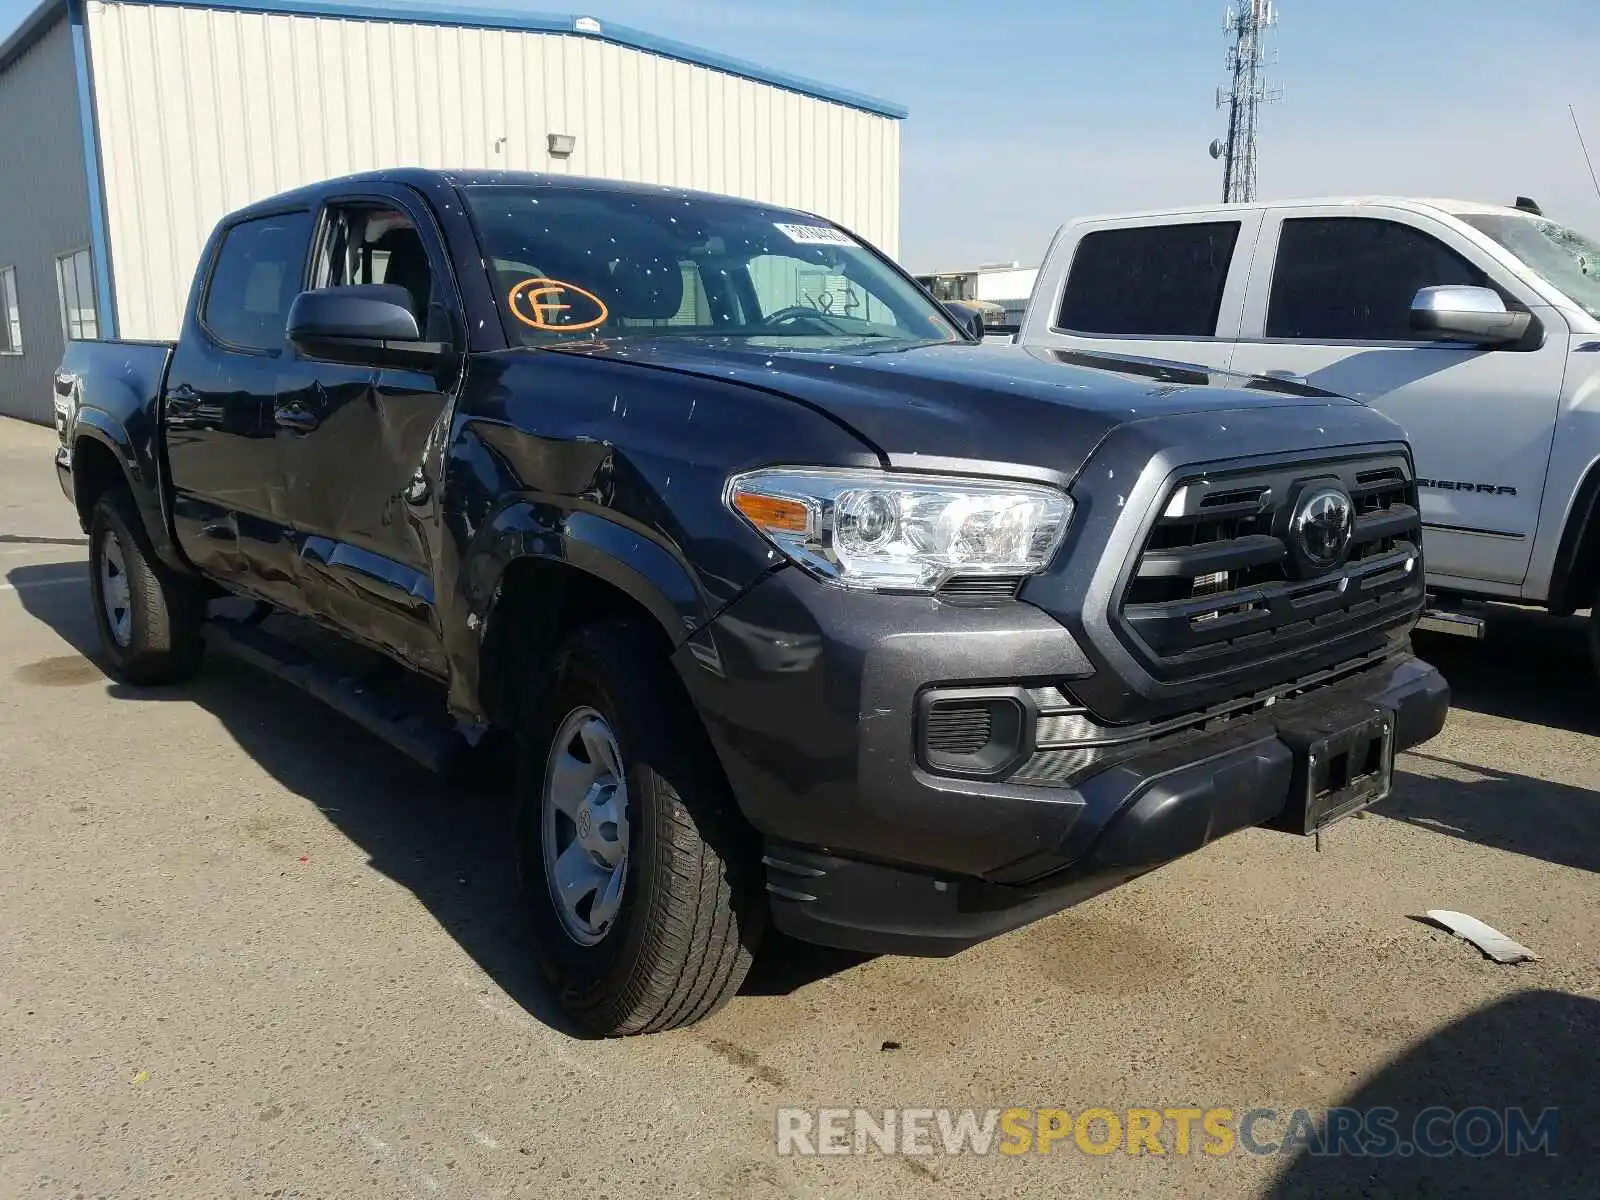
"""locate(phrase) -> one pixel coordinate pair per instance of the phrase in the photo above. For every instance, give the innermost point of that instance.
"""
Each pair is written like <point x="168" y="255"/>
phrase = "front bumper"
<point x="810" y="697"/>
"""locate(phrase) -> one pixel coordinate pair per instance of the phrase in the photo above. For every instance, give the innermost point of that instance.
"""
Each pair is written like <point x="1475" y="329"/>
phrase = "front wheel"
<point x="148" y="616"/>
<point x="636" y="867"/>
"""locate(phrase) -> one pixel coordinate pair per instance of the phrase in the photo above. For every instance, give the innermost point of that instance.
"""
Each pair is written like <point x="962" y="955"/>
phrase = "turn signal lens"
<point x="773" y="514"/>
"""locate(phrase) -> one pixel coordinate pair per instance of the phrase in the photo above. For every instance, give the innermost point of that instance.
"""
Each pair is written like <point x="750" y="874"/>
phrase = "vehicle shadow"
<point x="1535" y="669"/>
<point x="1531" y="667"/>
<point x="447" y="845"/>
<point x="1533" y="1051"/>
<point x="1553" y="821"/>
<point x="786" y="965"/>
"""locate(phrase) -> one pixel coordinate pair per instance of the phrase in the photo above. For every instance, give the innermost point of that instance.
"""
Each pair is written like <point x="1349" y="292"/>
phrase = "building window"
<point x="75" y="287"/>
<point x="11" y="324"/>
<point x="1155" y="281"/>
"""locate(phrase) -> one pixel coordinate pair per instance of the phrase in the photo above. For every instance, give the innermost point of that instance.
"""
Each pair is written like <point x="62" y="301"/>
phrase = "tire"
<point x="149" y="622"/>
<point x="687" y="916"/>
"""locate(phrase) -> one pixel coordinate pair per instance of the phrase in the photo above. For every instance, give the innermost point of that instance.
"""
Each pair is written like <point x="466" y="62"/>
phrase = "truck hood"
<point x="925" y="405"/>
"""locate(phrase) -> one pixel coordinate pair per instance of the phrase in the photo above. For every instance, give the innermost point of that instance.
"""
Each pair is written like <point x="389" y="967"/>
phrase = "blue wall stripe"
<point x="99" y="237"/>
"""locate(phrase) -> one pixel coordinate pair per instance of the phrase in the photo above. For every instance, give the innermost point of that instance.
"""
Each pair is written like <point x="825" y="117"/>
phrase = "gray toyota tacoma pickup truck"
<point x="802" y="607"/>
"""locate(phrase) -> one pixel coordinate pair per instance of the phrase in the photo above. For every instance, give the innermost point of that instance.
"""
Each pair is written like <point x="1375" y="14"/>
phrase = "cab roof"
<point x="432" y="180"/>
<point x="1411" y="203"/>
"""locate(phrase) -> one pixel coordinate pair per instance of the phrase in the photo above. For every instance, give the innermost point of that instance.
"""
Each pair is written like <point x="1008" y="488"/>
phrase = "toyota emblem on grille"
<point x="1323" y="523"/>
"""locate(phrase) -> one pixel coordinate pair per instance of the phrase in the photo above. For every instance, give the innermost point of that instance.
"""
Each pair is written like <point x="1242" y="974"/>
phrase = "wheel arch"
<point x="539" y="602"/>
<point x="1575" y="581"/>
<point x="542" y="580"/>
<point x="104" y="455"/>
<point x="97" y="465"/>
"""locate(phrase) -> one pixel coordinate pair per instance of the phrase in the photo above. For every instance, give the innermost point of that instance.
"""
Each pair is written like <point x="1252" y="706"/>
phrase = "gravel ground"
<point x="246" y="950"/>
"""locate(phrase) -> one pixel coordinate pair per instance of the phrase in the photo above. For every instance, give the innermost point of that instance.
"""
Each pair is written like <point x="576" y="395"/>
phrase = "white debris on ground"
<point x="1485" y="937"/>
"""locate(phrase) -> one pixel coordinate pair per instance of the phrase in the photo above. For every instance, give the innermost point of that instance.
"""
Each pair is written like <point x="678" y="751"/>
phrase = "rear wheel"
<point x="636" y="866"/>
<point x="148" y="616"/>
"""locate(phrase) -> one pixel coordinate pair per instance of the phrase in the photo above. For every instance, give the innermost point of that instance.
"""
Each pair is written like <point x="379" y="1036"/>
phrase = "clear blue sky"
<point x="1027" y="112"/>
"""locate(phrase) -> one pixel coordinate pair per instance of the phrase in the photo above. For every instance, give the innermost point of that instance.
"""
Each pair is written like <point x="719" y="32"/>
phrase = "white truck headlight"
<point x="899" y="532"/>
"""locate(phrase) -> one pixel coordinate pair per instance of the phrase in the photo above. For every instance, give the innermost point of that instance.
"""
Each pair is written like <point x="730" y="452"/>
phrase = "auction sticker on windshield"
<point x="815" y="235"/>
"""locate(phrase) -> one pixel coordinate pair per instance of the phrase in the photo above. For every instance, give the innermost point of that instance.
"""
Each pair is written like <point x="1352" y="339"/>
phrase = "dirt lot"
<point x="245" y="950"/>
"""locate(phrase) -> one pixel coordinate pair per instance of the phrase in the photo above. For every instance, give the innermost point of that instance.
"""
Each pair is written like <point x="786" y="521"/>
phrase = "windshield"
<point x="1567" y="259"/>
<point x="572" y="262"/>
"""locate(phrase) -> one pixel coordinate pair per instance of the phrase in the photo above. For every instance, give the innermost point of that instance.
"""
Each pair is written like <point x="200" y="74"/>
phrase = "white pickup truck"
<point x="1477" y="327"/>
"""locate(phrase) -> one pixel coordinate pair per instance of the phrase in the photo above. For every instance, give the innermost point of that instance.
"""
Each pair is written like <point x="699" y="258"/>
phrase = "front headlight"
<point x="884" y="530"/>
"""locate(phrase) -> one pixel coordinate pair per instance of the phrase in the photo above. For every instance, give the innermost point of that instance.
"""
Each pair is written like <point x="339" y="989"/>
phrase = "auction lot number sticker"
<point x="815" y="235"/>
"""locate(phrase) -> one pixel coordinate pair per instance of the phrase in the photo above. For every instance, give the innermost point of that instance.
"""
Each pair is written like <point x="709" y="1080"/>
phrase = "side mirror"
<point x="967" y="317"/>
<point x="371" y="324"/>
<point x="1467" y="314"/>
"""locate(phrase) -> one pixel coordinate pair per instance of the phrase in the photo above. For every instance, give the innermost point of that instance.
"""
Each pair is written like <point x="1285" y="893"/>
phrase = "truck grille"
<point x="1223" y="578"/>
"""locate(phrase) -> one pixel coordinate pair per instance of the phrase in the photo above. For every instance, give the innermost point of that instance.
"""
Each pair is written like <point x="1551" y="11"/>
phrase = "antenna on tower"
<point x="1245" y="23"/>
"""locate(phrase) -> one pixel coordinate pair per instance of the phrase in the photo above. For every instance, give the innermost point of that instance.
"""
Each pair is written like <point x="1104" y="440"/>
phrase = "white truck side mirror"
<point x="1453" y="313"/>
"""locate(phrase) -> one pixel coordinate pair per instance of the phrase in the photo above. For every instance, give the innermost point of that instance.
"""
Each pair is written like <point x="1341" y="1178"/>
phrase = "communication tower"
<point x="1246" y="24"/>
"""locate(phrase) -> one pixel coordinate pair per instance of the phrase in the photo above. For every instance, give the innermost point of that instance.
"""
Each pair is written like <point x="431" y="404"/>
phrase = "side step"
<point x="1458" y="624"/>
<point x="438" y="745"/>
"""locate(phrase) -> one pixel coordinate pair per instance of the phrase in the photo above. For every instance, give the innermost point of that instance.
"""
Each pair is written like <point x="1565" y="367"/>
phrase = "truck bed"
<point x="115" y="376"/>
<point x="110" y="391"/>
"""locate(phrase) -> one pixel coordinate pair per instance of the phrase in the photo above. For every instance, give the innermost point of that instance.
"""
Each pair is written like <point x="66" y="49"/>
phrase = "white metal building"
<point x="128" y="127"/>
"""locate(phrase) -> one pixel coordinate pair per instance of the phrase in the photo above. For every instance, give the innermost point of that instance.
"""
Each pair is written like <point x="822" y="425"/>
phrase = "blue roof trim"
<point x="491" y="18"/>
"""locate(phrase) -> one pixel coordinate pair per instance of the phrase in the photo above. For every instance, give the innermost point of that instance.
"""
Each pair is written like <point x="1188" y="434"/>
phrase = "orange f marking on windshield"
<point x="541" y="303"/>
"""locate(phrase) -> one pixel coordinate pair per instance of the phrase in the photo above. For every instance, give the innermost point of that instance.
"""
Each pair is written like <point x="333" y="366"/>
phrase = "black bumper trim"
<point x="1137" y="815"/>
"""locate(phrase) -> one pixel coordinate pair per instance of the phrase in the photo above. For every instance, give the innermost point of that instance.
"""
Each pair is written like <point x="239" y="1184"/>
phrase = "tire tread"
<point x="705" y="914"/>
<point x="167" y="610"/>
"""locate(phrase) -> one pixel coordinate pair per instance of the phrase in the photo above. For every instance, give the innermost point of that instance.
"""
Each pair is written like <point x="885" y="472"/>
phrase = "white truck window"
<point x="1353" y="278"/>
<point x="1153" y="281"/>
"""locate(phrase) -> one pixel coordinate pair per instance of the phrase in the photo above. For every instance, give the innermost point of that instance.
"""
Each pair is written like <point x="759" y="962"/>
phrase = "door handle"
<point x="301" y="420"/>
